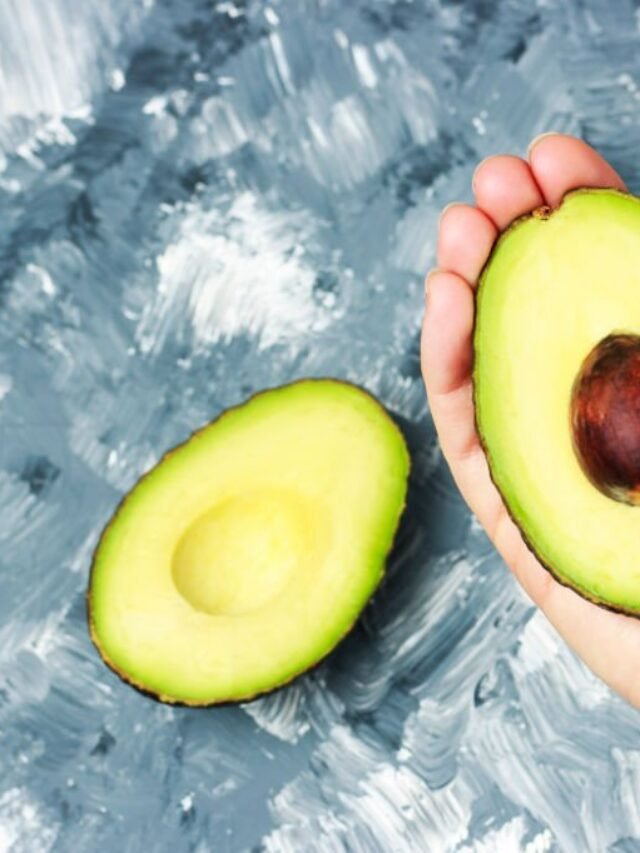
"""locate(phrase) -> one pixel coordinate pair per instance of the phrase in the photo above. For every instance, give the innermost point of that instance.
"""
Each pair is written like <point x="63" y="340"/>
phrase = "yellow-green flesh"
<point x="553" y="288"/>
<point x="248" y="552"/>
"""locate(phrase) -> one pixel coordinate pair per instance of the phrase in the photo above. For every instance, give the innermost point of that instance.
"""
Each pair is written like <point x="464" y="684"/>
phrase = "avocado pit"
<point x="605" y="417"/>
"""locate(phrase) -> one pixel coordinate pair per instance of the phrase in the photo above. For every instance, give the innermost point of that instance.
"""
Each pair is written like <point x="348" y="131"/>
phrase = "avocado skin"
<point x="168" y="700"/>
<point x="542" y="212"/>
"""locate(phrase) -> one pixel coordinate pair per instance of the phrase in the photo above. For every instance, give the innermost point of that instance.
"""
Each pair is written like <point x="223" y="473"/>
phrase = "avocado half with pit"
<point x="557" y="388"/>
<point x="248" y="552"/>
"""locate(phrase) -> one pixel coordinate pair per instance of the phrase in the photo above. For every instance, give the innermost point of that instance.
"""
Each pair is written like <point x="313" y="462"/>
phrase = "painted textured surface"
<point x="202" y="199"/>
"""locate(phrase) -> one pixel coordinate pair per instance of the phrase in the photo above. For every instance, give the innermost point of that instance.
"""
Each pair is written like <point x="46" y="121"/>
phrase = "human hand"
<point x="506" y="187"/>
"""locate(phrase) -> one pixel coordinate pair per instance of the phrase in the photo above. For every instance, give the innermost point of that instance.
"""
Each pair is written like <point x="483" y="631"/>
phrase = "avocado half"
<point x="249" y="551"/>
<point x="557" y="388"/>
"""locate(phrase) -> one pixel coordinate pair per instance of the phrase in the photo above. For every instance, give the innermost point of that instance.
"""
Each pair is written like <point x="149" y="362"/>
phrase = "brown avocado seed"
<point x="605" y="417"/>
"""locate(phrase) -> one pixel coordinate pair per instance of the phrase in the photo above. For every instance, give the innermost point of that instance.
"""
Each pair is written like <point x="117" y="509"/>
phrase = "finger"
<point x="465" y="239"/>
<point x="505" y="189"/>
<point x="561" y="163"/>
<point x="446" y="364"/>
<point x="446" y="340"/>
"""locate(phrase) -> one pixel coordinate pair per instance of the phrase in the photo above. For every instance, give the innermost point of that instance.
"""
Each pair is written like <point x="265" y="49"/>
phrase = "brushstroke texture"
<point x="201" y="199"/>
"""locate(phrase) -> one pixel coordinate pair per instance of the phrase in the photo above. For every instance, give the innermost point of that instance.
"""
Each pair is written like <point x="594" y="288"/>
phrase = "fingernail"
<point x="430" y="275"/>
<point x="444" y="210"/>
<point x="539" y="138"/>
<point x="477" y="169"/>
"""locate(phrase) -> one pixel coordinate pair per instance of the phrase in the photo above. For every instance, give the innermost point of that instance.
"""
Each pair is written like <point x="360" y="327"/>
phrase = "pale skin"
<point x="506" y="187"/>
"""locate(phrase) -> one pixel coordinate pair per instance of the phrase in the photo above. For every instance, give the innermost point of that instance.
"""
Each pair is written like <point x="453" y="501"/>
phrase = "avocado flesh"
<point x="244" y="556"/>
<point x="556" y="284"/>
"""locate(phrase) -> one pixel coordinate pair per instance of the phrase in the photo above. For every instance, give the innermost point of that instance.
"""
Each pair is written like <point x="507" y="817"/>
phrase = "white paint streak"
<point x="281" y="714"/>
<point x="405" y="815"/>
<point x="46" y="282"/>
<point x="218" y="130"/>
<point x="22" y="513"/>
<point x="364" y="66"/>
<point x="341" y="39"/>
<point x="224" y="275"/>
<point x="628" y="764"/>
<point x="541" y="843"/>
<point x="51" y="58"/>
<point x="507" y="839"/>
<point x="271" y="16"/>
<point x="155" y="106"/>
<point x="23" y="827"/>
<point x="117" y="79"/>
<point x="281" y="63"/>
<point x="6" y="384"/>
<point x="540" y="644"/>
<point x="361" y="801"/>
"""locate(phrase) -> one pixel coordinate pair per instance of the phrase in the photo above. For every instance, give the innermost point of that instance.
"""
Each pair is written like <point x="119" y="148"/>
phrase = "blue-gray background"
<point x="202" y="199"/>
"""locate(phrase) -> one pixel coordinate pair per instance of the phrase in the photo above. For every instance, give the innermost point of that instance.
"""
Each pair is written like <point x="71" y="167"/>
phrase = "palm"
<point x="506" y="187"/>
